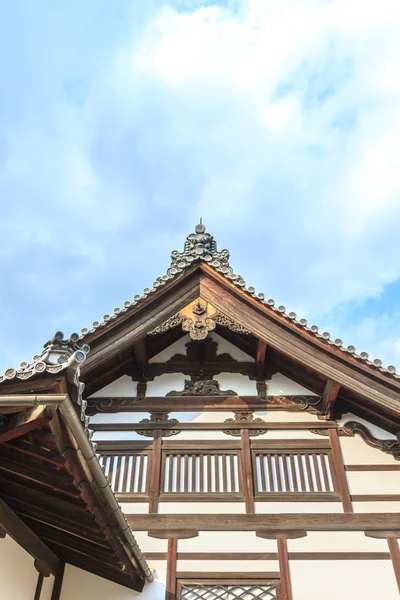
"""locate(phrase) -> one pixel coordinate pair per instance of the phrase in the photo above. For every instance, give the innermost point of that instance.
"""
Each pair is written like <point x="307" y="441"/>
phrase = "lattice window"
<point x="292" y="472"/>
<point x="228" y="591"/>
<point x="204" y="472"/>
<point x="127" y="474"/>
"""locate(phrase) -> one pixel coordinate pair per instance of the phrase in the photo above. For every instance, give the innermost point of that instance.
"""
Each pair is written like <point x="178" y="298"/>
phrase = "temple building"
<point x="200" y="443"/>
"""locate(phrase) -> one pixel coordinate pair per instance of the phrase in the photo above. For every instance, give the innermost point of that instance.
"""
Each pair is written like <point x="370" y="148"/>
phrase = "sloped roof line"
<point x="202" y="247"/>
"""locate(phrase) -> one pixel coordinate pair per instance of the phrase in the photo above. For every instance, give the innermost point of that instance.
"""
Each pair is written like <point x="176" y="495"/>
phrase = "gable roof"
<point x="201" y="248"/>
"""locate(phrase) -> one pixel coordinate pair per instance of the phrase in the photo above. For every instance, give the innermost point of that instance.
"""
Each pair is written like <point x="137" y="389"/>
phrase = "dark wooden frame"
<point x="226" y="579"/>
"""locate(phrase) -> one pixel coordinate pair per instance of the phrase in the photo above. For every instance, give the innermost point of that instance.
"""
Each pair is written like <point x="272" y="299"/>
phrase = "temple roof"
<point x="201" y="246"/>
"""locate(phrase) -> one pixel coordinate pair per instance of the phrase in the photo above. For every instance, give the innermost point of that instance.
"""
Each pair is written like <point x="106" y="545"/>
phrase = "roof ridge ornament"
<point x="202" y="246"/>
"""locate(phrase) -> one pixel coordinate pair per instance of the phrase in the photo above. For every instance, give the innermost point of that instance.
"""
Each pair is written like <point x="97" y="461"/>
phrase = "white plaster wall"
<point x="377" y="507"/>
<point x="137" y="508"/>
<point x="149" y="544"/>
<point x="122" y="417"/>
<point x="228" y="566"/>
<point x="227" y="541"/>
<point x="332" y="580"/>
<point x="81" y="585"/>
<point x="373" y="482"/>
<point x="47" y="588"/>
<point x="298" y="507"/>
<point x="178" y="347"/>
<point x="226" y="347"/>
<point x="292" y="434"/>
<point x="100" y="436"/>
<point x="238" y="383"/>
<point x="283" y="416"/>
<point x="356" y="452"/>
<point x="209" y="508"/>
<point x="202" y="435"/>
<point x="123" y="386"/>
<point x="162" y="385"/>
<point x="18" y="576"/>
<point x="279" y="385"/>
<point x="337" y="541"/>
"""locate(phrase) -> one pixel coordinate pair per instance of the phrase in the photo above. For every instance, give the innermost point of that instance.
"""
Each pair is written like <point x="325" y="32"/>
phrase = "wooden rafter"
<point x="329" y="396"/>
<point x="27" y="421"/>
<point x="46" y="561"/>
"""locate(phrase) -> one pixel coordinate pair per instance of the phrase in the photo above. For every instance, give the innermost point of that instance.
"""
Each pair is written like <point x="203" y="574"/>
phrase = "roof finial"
<point x="200" y="228"/>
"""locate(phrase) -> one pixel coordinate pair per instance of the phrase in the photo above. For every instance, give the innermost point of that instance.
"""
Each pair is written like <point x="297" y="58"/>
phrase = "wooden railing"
<point x="127" y="473"/>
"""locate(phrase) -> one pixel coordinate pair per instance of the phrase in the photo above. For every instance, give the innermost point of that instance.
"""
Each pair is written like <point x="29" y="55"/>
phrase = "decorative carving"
<point x="95" y="405"/>
<point x="308" y="403"/>
<point x="225" y="321"/>
<point x="198" y="327"/>
<point x="170" y="323"/>
<point x="325" y="432"/>
<point x="141" y="390"/>
<point x="199" y="309"/>
<point x="244" y="416"/>
<point x="199" y="386"/>
<point x="388" y="446"/>
<point x="159" y="417"/>
<point x="261" y="389"/>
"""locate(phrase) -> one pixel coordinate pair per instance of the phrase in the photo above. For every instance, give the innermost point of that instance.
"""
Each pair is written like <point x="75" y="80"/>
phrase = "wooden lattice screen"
<point x="227" y="590"/>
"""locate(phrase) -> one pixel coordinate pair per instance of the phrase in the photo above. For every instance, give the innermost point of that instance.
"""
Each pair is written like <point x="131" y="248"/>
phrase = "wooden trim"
<point x="134" y="497"/>
<point x="202" y="445"/>
<point x="285" y="585"/>
<point x="302" y="425"/>
<point x="170" y="591"/>
<point x="372" y="467"/>
<point x="395" y="556"/>
<point x="201" y="497"/>
<point x="271" y="555"/>
<point x="46" y="561"/>
<point x="176" y="535"/>
<point x="246" y="470"/>
<point x="329" y="396"/>
<point x="201" y="404"/>
<point x="379" y="535"/>
<point x="297" y="497"/>
<point x="236" y="576"/>
<point x="155" y="474"/>
<point x="58" y="581"/>
<point x="275" y="535"/>
<point x="271" y="521"/>
<point x="39" y="586"/>
<point x="337" y="466"/>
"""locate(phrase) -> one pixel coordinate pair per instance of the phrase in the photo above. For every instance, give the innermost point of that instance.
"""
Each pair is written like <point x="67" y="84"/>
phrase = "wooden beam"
<point x="46" y="561"/>
<point x="171" y="570"/>
<point x="27" y="421"/>
<point x="155" y="473"/>
<point x="260" y="356"/>
<point x="338" y="472"/>
<point x="329" y="396"/>
<point x="270" y="521"/>
<point x="140" y="352"/>
<point x="247" y="474"/>
<point x="301" y="425"/>
<point x="395" y="556"/>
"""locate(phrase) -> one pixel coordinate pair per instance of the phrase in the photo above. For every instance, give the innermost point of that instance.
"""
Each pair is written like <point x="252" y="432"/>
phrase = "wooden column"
<point x="395" y="556"/>
<point x="170" y="592"/>
<point x="154" y="488"/>
<point x="39" y="585"/>
<point x="285" y="586"/>
<point x="58" y="581"/>
<point x="247" y="475"/>
<point x="337" y="468"/>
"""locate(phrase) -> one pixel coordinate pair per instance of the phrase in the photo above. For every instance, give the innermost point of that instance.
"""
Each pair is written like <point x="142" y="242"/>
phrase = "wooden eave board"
<point x="35" y="484"/>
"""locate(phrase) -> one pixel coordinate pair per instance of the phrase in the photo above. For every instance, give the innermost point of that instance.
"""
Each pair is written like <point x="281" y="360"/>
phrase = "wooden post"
<point x="338" y="470"/>
<point x="170" y="592"/>
<point x="286" y="586"/>
<point x="58" y="581"/>
<point x="247" y="474"/>
<point x="154" y="488"/>
<point x="39" y="585"/>
<point x="395" y="556"/>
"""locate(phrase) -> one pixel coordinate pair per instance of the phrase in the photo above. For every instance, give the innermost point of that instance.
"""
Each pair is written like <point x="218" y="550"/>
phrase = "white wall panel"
<point x="377" y="432"/>
<point x="178" y="347"/>
<point x="376" y="507"/>
<point x="149" y="544"/>
<point x="81" y="585"/>
<point x="137" y="508"/>
<point x="372" y="482"/>
<point x="123" y="386"/>
<point x="162" y="385"/>
<point x="18" y="576"/>
<point x="331" y="580"/>
<point x="337" y="541"/>
<point x="226" y="347"/>
<point x="101" y="436"/>
<point x="47" y="588"/>
<point x="227" y="541"/>
<point x="279" y="385"/>
<point x="291" y="434"/>
<point x="282" y="416"/>
<point x="298" y="507"/>
<point x="209" y="508"/>
<point x="229" y="566"/>
<point x="356" y="452"/>
<point x="238" y="383"/>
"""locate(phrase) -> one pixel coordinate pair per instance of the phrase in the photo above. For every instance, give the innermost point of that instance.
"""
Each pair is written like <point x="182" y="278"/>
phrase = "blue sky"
<point x="276" y="121"/>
